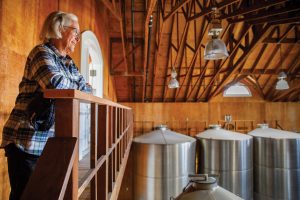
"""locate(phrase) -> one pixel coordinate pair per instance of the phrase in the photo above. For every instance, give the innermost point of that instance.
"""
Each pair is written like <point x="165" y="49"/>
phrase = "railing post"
<point x="94" y="146"/>
<point x="67" y="125"/>
<point x="102" y="149"/>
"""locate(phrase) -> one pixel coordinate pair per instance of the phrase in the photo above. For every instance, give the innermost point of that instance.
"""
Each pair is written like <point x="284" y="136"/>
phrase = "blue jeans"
<point x="20" y="167"/>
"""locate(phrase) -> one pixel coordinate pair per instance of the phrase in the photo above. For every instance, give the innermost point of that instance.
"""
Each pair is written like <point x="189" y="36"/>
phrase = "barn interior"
<point x="162" y="67"/>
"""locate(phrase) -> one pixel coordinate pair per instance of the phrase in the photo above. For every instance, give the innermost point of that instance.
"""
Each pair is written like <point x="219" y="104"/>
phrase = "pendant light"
<point x="215" y="49"/>
<point x="173" y="82"/>
<point x="281" y="84"/>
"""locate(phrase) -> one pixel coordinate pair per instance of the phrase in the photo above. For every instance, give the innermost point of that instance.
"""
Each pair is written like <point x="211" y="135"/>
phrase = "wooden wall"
<point x="245" y="110"/>
<point x="20" y="23"/>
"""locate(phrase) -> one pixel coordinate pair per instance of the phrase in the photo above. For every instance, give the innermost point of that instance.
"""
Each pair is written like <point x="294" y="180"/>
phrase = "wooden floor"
<point x="86" y="195"/>
<point x="83" y="168"/>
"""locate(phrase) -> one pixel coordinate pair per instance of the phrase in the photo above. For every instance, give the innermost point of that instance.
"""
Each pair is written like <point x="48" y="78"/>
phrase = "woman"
<point x="31" y="121"/>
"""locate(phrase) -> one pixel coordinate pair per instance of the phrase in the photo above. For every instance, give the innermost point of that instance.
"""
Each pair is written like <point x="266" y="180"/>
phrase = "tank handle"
<point x="198" y="177"/>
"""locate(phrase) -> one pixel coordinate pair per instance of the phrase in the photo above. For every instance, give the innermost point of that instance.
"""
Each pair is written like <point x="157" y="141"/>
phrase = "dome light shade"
<point x="215" y="49"/>
<point x="173" y="82"/>
<point x="282" y="85"/>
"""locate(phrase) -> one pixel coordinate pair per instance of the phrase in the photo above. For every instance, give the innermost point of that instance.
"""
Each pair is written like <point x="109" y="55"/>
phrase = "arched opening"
<point x="91" y="67"/>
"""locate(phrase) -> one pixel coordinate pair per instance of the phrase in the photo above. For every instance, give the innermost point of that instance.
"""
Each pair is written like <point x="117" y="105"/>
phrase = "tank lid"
<point x="215" y="126"/>
<point x="221" y="134"/>
<point x="165" y="136"/>
<point x="274" y="133"/>
<point x="263" y="126"/>
<point x="196" y="191"/>
<point x="203" y="181"/>
<point x="162" y="127"/>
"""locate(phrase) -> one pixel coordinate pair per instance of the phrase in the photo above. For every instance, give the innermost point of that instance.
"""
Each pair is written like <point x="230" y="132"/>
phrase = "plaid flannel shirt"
<point x="45" y="69"/>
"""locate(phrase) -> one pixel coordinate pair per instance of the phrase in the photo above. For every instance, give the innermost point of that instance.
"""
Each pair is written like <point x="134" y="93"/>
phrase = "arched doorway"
<point x="92" y="62"/>
<point x="91" y="67"/>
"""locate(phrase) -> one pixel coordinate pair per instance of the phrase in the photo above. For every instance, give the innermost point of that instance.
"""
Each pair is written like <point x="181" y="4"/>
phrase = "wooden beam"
<point x="179" y="55"/>
<point x="260" y="71"/>
<point x="123" y="32"/>
<point x="169" y="59"/>
<point x="265" y="14"/>
<point x="295" y="65"/>
<point x="281" y="19"/>
<point x="127" y="56"/>
<point x="267" y="63"/>
<point x="175" y="9"/>
<point x="283" y="94"/>
<point x="139" y="40"/>
<point x="165" y="88"/>
<point x="294" y="96"/>
<point x="203" y="31"/>
<point x="131" y="74"/>
<point x="150" y="8"/>
<point x="291" y="26"/>
<point x="209" y="10"/>
<point x="283" y="41"/>
<point x="287" y="20"/>
<point x="259" y="55"/>
<point x="184" y="53"/>
<point x="254" y="80"/>
<point x="193" y="60"/>
<point x="254" y="8"/>
<point x="264" y="69"/>
<point x="111" y="8"/>
<point x="257" y="40"/>
<point x="159" y="32"/>
<point x="200" y="80"/>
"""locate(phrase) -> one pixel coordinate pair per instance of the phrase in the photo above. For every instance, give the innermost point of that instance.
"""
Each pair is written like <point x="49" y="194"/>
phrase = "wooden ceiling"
<point x="262" y="39"/>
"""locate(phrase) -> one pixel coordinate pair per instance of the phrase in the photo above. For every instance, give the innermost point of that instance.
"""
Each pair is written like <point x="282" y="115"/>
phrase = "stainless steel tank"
<point x="276" y="164"/>
<point x="205" y="188"/>
<point x="228" y="154"/>
<point x="163" y="159"/>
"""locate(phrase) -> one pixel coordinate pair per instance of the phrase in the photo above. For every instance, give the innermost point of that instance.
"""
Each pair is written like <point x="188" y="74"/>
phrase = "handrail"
<point x="111" y="131"/>
<point x="76" y="94"/>
<point x="50" y="177"/>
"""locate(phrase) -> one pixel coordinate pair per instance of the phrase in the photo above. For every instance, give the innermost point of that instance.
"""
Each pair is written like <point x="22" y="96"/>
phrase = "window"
<point x="237" y="90"/>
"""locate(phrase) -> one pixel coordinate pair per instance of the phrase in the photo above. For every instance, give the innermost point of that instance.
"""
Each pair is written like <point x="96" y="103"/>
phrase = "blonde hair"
<point x="54" y="23"/>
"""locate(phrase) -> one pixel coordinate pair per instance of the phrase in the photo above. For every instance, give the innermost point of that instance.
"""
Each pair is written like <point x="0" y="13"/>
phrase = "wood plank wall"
<point x="287" y="114"/>
<point x="20" y="23"/>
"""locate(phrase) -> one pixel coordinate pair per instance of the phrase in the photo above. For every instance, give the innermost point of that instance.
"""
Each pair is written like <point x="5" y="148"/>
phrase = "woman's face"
<point x="71" y="36"/>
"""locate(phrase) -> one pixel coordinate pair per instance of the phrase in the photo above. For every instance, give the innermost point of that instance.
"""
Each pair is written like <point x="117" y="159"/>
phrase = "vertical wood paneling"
<point x="16" y="34"/>
<point x="287" y="114"/>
